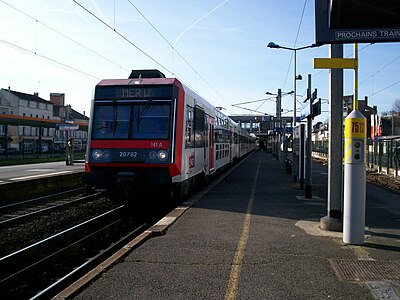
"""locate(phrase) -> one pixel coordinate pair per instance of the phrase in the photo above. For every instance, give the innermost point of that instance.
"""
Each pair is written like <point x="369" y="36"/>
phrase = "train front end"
<point x="135" y="140"/>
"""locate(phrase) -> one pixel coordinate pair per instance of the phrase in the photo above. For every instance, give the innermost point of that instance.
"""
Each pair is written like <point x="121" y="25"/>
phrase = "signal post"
<point x="355" y="136"/>
<point x="354" y="178"/>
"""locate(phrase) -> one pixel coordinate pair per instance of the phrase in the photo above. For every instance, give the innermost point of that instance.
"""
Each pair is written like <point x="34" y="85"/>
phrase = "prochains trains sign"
<point x="349" y="21"/>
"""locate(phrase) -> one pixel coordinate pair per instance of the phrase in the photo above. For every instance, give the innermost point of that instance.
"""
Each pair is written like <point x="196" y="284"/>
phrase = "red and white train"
<point x="149" y="132"/>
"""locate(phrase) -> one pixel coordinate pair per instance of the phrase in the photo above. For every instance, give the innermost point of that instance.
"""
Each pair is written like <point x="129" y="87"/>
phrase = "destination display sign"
<point x="133" y="92"/>
<point x="349" y="21"/>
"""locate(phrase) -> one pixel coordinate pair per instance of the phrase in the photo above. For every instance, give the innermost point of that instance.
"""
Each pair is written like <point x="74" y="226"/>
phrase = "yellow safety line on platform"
<point x="231" y="292"/>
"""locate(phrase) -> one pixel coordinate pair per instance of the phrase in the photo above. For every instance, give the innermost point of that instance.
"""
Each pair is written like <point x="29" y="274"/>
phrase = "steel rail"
<point x="43" y="198"/>
<point x="28" y="213"/>
<point x="25" y="273"/>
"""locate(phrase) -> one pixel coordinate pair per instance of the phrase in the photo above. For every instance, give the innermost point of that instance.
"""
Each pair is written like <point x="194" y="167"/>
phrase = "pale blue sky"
<point x="224" y="43"/>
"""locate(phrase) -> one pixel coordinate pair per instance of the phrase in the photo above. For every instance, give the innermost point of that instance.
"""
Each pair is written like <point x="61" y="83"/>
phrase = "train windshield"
<point x="148" y="120"/>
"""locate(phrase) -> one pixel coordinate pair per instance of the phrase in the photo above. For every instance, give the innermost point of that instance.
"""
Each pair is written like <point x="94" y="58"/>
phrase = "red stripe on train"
<point x="130" y="144"/>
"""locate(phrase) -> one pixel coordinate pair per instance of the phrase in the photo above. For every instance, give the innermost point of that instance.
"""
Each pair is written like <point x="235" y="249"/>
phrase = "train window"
<point x="138" y="121"/>
<point x="151" y="121"/>
<point x="200" y="120"/>
<point x="189" y="127"/>
<point x="111" y="121"/>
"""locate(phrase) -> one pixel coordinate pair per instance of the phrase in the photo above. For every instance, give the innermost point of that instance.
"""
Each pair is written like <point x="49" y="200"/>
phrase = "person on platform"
<point x="70" y="152"/>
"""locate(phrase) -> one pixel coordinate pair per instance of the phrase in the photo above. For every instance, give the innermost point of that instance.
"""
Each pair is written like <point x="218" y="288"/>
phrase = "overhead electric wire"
<point x="295" y="42"/>
<point x="271" y="99"/>
<point x="177" y="52"/>
<point x="384" y="89"/>
<point x="63" y="35"/>
<point x="96" y="53"/>
<point x="253" y="110"/>
<point x="258" y="100"/>
<point x="384" y="67"/>
<point x="48" y="59"/>
<point x="301" y="21"/>
<point x="144" y="52"/>
<point x="151" y="24"/>
<point x="122" y="36"/>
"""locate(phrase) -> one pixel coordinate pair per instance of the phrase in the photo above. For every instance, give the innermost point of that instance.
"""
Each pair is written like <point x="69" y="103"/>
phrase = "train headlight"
<point x="162" y="155"/>
<point x="157" y="156"/>
<point x="153" y="155"/>
<point x="101" y="154"/>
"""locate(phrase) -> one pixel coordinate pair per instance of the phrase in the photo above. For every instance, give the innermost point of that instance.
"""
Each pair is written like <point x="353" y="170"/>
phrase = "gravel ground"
<point x="18" y="237"/>
<point x="387" y="181"/>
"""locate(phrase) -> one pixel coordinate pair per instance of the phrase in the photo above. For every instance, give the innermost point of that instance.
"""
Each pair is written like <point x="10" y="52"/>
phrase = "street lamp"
<point x="278" y="124"/>
<point x="296" y="77"/>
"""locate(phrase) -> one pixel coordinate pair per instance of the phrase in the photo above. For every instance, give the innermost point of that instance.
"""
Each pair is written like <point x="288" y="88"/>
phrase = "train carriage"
<point x="149" y="132"/>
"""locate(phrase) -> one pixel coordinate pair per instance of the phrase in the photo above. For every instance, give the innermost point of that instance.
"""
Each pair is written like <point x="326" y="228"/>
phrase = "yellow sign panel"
<point x="355" y="128"/>
<point x="335" y="63"/>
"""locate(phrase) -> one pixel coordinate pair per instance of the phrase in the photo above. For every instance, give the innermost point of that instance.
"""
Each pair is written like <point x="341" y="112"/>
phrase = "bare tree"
<point x="396" y="105"/>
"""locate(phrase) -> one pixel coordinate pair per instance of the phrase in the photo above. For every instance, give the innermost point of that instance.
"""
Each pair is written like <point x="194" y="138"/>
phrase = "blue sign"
<point x="283" y="129"/>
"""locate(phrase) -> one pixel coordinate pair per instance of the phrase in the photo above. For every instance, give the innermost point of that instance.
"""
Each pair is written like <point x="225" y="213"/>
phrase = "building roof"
<point x="78" y="116"/>
<point x="74" y="114"/>
<point x="29" y="97"/>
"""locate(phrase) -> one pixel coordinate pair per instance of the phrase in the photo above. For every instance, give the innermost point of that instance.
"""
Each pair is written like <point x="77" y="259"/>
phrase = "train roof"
<point x="142" y="81"/>
<point x="147" y="73"/>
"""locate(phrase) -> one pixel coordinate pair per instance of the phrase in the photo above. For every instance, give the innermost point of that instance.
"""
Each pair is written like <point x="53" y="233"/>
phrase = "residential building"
<point x="363" y="107"/>
<point x="391" y="124"/>
<point x="68" y="115"/>
<point x="33" y="135"/>
<point x="32" y="106"/>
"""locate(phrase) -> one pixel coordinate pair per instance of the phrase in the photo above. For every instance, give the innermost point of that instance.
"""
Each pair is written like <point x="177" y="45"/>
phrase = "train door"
<point x="211" y="143"/>
<point x="206" y="143"/>
<point x="239" y="144"/>
<point x="200" y="138"/>
<point x="230" y="142"/>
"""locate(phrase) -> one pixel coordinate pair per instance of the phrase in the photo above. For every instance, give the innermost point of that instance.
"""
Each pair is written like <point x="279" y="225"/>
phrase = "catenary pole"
<point x="333" y="220"/>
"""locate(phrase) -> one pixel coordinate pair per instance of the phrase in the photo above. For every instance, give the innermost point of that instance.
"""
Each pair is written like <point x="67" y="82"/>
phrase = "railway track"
<point x="383" y="180"/>
<point x="23" y="211"/>
<point x="44" y="268"/>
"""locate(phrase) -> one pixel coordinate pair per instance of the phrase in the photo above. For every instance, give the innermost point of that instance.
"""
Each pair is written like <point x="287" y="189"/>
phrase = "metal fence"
<point x="383" y="155"/>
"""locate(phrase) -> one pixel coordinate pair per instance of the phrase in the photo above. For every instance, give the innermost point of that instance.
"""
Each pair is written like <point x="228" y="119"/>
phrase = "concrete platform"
<point x="252" y="236"/>
<point x="20" y="181"/>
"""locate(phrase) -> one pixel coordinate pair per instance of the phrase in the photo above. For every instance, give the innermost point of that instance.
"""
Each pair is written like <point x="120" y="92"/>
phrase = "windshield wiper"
<point x="115" y="118"/>
<point x="145" y="109"/>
